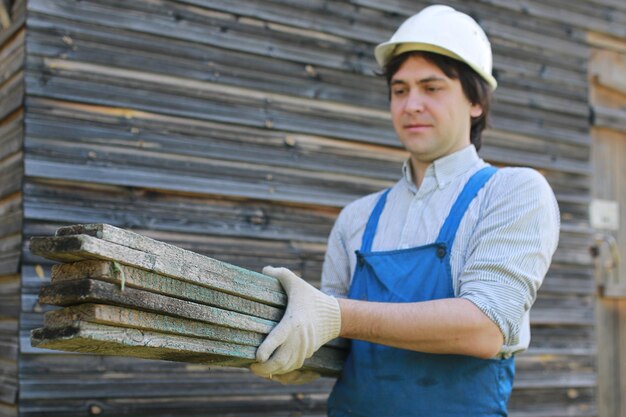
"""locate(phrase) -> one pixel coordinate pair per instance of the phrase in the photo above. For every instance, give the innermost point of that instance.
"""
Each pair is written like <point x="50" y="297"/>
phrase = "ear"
<point x="476" y="110"/>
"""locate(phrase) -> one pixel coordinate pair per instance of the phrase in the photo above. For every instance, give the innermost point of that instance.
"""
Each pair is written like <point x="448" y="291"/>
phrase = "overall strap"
<point x="372" y="223"/>
<point x="475" y="183"/>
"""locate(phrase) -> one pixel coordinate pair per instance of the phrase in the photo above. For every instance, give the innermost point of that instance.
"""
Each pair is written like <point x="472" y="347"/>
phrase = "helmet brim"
<point x="387" y="50"/>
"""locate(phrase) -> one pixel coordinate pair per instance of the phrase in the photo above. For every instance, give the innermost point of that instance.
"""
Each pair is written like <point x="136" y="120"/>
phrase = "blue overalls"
<point x="379" y="381"/>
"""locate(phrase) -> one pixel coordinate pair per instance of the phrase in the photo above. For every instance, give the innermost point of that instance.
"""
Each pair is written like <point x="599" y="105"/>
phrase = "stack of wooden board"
<point x="126" y="294"/>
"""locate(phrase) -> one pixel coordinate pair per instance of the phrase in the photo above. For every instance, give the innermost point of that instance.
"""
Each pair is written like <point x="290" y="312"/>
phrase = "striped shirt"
<point x="502" y="250"/>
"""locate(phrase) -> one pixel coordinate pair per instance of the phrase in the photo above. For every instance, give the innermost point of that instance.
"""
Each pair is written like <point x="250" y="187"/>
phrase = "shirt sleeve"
<point x="511" y="248"/>
<point x="336" y="268"/>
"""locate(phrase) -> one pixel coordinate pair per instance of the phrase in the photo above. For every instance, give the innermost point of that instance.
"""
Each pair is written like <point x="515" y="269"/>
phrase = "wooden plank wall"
<point x="12" y="59"/>
<point x="239" y="129"/>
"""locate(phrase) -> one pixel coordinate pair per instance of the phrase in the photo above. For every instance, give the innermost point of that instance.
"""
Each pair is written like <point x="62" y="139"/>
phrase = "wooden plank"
<point x="199" y="381"/>
<point x="235" y="27"/>
<point x="280" y="111"/>
<point x="271" y="187"/>
<point x="11" y="222"/>
<point x="101" y="339"/>
<point x="8" y="372"/>
<point x="159" y="133"/>
<point x="607" y="69"/>
<point x="156" y="283"/>
<point x="11" y="94"/>
<point x="554" y="403"/>
<point x="9" y="347"/>
<point x="272" y="406"/>
<point x="564" y="13"/>
<point x="5" y="17"/>
<point x="608" y="118"/>
<point x="279" y="184"/>
<point x="204" y="215"/>
<point x="8" y="410"/>
<point x="74" y="81"/>
<point x="109" y="340"/>
<point x="218" y="29"/>
<point x="9" y="285"/>
<point x="621" y="331"/>
<point x="610" y="43"/>
<point x="304" y="258"/>
<point x="132" y="50"/>
<point x="217" y="142"/>
<point x="11" y="134"/>
<point x="609" y="384"/>
<point x="206" y="272"/>
<point x="79" y="291"/>
<point x="10" y="242"/>
<point x="12" y="56"/>
<point x="502" y="28"/>
<point x="344" y="19"/>
<point x="607" y="98"/>
<point x="10" y="262"/>
<point x="309" y="151"/>
<point x="143" y="320"/>
<point x="17" y="22"/>
<point x="236" y="395"/>
<point x="136" y="241"/>
<point x="93" y="291"/>
<point x="9" y="304"/>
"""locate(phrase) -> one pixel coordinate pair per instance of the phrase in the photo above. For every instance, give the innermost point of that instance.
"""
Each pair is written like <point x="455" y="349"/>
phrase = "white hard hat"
<point x="442" y="30"/>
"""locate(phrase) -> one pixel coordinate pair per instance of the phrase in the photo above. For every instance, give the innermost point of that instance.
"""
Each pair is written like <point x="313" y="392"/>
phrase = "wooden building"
<point x="238" y="129"/>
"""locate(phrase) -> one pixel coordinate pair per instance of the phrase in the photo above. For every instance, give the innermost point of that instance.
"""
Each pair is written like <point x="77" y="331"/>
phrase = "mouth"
<point x="416" y="127"/>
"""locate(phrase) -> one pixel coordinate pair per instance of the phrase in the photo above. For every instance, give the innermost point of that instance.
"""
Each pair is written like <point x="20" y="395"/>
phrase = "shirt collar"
<point x="446" y="168"/>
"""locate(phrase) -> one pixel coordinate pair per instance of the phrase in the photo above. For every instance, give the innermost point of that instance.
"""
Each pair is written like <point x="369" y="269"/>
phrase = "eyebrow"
<point x="426" y="80"/>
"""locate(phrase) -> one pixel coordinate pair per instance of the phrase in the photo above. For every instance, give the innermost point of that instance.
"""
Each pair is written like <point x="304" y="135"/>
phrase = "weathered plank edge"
<point x="110" y="340"/>
<point x="153" y="282"/>
<point x="83" y="247"/>
<point x="148" y="321"/>
<point x="145" y="244"/>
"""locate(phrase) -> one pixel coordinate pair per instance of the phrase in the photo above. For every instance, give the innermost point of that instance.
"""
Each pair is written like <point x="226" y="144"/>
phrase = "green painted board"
<point x="160" y="284"/>
<point x="215" y="275"/>
<point x="144" y="320"/>
<point x="93" y="291"/>
<point x="145" y="244"/>
<point x="101" y="339"/>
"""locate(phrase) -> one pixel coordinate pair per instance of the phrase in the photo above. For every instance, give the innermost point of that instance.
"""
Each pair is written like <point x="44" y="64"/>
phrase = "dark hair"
<point x="475" y="88"/>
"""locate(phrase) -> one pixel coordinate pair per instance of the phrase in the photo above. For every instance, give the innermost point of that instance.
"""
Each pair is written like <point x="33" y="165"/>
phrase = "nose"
<point x="414" y="102"/>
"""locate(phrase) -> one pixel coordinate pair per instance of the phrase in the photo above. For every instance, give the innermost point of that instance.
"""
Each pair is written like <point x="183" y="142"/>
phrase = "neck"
<point x="418" y="171"/>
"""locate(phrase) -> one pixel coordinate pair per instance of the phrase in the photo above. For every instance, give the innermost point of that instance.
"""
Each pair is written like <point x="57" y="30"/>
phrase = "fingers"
<point x="294" y="338"/>
<point x="276" y="338"/>
<point x="280" y="363"/>
<point x="276" y="272"/>
<point x="284" y="275"/>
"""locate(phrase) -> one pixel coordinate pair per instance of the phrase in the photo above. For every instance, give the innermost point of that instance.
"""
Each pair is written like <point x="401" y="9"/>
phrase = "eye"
<point x="432" y="88"/>
<point x="398" y="91"/>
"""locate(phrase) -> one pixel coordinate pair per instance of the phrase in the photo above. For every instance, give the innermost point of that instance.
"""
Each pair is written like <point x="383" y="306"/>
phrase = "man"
<point x="433" y="278"/>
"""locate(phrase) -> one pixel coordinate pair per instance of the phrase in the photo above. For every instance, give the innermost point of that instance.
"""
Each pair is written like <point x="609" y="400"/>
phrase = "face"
<point x="430" y="113"/>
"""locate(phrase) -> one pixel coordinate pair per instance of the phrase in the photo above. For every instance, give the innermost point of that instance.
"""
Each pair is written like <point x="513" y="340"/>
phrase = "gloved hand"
<point x="311" y="319"/>
<point x="297" y="377"/>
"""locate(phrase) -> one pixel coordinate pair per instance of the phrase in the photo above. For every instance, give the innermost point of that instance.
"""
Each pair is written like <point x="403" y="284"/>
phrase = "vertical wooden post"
<point x="608" y="99"/>
<point x="5" y="14"/>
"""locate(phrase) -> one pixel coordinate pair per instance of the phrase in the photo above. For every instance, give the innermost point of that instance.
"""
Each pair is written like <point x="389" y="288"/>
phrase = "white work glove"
<point x="311" y="319"/>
